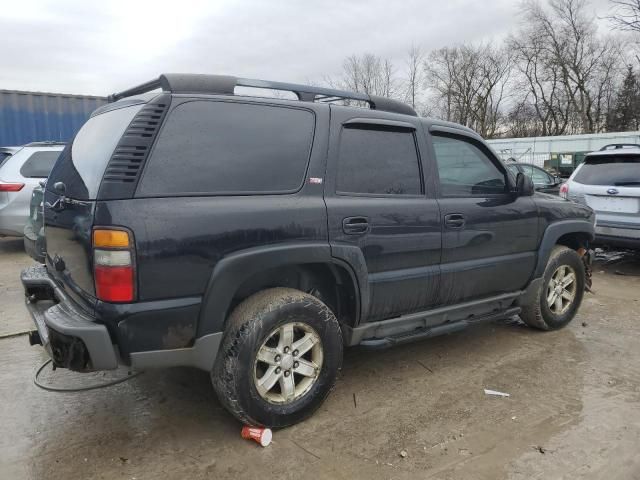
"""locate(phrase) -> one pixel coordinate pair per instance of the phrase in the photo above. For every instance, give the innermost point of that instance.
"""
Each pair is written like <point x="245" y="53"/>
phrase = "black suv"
<point x="254" y="238"/>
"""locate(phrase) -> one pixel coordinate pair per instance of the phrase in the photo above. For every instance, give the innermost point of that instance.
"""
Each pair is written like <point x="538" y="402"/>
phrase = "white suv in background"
<point x="608" y="181"/>
<point x="19" y="174"/>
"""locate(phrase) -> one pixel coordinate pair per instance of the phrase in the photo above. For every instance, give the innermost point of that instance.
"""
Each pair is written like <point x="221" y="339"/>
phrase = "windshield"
<point x="619" y="171"/>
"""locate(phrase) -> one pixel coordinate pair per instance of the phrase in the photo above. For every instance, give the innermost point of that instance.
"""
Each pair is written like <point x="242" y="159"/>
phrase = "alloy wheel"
<point x="561" y="290"/>
<point x="288" y="363"/>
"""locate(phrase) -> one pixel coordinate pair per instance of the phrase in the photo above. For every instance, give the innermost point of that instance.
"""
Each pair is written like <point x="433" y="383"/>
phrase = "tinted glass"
<point x="82" y="163"/>
<point x="618" y="171"/>
<point x="39" y="164"/>
<point x="379" y="162"/>
<point x="466" y="170"/>
<point x="3" y="157"/>
<point x="228" y="147"/>
<point x="539" y="176"/>
<point x="514" y="168"/>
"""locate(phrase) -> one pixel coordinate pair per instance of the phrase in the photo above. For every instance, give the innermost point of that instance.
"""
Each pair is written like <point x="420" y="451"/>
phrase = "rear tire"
<point x="560" y="293"/>
<point x="279" y="358"/>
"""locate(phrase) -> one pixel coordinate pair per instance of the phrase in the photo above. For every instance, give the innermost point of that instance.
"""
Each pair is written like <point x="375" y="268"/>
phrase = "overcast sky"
<point x="98" y="47"/>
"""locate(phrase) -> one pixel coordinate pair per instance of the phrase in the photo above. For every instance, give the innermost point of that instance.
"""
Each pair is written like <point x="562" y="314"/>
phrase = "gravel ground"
<point x="573" y="410"/>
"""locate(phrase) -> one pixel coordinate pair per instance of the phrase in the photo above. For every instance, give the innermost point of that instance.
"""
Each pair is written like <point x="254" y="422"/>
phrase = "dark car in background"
<point x="34" y="240"/>
<point x="543" y="181"/>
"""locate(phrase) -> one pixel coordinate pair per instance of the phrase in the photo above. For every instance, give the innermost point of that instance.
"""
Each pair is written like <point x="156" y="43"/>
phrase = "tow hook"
<point x="587" y="257"/>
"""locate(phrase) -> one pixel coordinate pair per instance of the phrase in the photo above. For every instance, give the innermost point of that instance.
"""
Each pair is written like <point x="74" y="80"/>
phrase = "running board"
<point x="470" y="311"/>
<point x="420" y="334"/>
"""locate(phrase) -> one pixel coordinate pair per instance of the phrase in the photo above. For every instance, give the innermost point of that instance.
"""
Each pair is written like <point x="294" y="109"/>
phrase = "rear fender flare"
<point x="232" y="271"/>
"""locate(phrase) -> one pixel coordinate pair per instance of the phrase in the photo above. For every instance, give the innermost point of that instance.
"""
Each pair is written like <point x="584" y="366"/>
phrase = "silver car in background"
<point x="20" y="172"/>
<point x="608" y="181"/>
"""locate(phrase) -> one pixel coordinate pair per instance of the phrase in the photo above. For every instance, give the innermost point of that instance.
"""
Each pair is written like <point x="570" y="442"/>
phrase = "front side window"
<point x="465" y="170"/>
<point x="378" y="162"/>
<point x="537" y="175"/>
<point x="540" y="177"/>
<point x="39" y="164"/>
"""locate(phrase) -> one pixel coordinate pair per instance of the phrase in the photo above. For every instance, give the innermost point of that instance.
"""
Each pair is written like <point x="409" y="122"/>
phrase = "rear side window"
<point x="39" y="164"/>
<point x="209" y="147"/>
<point x="378" y="162"/>
<point x="617" y="171"/>
<point x="465" y="170"/>
<point x="82" y="163"/>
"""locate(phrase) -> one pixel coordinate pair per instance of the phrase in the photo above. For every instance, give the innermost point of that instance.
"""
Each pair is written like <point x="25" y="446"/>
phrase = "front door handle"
<point x="454" y="220"/>
<point x="355" y="225"/>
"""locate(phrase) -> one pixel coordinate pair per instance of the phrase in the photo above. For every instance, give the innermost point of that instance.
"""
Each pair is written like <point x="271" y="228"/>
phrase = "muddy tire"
<point x="560" y="293"/>
<point x="279" y="358"/>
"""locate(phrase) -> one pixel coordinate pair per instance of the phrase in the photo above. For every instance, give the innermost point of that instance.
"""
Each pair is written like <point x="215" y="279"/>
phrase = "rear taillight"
<point x="113" y="265"/>
<point x="564" y="191"/>
<point x="11" y="187"/>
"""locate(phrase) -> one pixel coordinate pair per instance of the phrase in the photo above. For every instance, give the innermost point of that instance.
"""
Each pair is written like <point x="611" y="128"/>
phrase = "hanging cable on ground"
<point x="37" y="382"/>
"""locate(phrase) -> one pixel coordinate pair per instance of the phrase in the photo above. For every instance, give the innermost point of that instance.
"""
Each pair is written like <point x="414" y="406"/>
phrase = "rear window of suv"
<point x="39" y="164"/>
<point x="617" y="171"/>
<point x="213" y="147"/>
<point x="82" y="163"/>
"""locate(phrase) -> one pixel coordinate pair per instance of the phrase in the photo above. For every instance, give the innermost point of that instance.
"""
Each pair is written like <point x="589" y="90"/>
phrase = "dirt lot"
<point x="574" y="410"/>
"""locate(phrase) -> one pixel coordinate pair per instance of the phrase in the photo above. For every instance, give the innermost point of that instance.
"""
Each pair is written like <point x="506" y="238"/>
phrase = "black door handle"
<point x="454" y="220"/>
<point x="355" y="225"/>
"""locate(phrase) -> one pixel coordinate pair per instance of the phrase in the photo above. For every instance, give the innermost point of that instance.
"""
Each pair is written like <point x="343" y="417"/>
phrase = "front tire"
<point x="560" y="294"/>
<point x="279" y="358"/>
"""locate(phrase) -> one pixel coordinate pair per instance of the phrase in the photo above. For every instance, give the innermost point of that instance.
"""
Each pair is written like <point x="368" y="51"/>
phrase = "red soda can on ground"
<point x="258" y="434"/>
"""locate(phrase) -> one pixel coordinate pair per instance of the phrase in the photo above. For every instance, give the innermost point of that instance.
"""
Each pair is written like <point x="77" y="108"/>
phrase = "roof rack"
<point x="46" y="143"/>
<point x="618" y="146"/>
<point x="225" y="85"/>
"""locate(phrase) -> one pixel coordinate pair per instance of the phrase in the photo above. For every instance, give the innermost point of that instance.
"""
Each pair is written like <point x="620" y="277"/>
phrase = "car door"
<point x="381" y="211"/>
<point x="489" y="235"/>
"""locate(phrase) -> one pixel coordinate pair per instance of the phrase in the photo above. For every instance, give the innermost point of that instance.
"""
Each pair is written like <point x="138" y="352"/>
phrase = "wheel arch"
<point x="306" y="267"/>
<point x="571" y="233"/>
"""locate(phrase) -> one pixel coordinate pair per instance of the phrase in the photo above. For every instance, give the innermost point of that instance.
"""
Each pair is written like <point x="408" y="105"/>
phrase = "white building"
<point x="561" y="148"/>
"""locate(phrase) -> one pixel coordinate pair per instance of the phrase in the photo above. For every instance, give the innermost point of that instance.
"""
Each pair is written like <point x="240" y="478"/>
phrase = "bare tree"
<point x="414" y="75"/>
<point x="368" y="74"/>
<point x="469" y="83"/>
<point x="626" y="15"/>
<point x="570" y="70"/>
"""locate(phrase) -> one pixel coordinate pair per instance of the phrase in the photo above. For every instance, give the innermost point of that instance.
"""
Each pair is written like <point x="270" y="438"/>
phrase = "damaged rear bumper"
<point x="72" y="338"/>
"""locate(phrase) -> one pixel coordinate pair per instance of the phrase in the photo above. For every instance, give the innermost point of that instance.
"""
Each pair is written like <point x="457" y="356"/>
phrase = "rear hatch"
<point x="610" y="185"/>
<point x="70" y="199"/>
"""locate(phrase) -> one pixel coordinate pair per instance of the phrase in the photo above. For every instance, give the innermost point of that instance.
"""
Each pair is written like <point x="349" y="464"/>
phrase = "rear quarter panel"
<point x="179" y="240"/>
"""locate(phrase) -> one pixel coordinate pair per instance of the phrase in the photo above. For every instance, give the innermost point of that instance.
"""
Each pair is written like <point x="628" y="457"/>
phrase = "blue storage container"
<point x="36" y="116"/>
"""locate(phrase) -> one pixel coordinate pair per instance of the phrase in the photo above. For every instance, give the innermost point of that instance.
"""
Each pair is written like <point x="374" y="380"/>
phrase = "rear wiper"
<point x="625" y="184"/>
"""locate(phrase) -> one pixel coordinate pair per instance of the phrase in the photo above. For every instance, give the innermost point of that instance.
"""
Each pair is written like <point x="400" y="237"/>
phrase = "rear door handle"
<point x="454" y="220"/>
<point x="355" y="225"/>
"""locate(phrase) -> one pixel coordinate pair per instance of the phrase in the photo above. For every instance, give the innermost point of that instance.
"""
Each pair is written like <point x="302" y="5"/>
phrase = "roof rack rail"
<point x="618" y="146"/>
<point x="225" y="85"/>
<point x="45" y="143"/>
